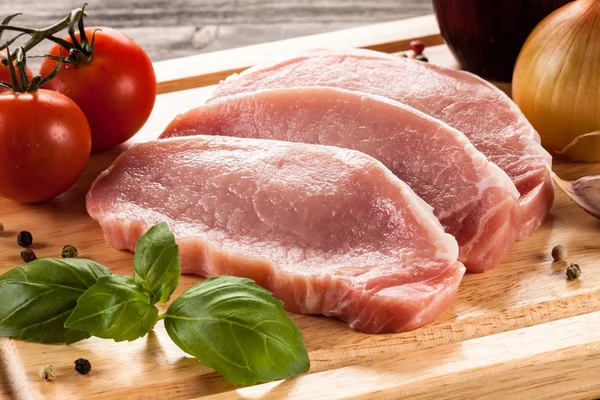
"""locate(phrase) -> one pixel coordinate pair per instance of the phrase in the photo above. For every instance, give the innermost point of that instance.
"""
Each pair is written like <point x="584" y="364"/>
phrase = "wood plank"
<point x="205" y="12"/>
<point x="209" y="69"/>
<point x="527" y="289"/>
<point x="558" y="360"/>
<point x="168" y="29"/>
<point x="13" y="372"/>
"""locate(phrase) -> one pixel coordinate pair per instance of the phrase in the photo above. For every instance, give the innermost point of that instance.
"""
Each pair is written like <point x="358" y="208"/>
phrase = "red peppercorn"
<point x="417" y="46"/>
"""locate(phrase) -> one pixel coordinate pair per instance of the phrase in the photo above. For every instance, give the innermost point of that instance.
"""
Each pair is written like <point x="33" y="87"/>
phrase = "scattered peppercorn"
<point x="47" y="372"/>
<point x="69" y="252"/>
<point x="404" y="55"/>
<point x="573" y="272"/>
<point x="28" y="255"/>
<point x="417" y="46"/>
<point x="24" y="239"/>
<point x="82" y="366"/>
<point x="421" y="57"/>
<point x="1" y="228"/>
<point x="559" y="252"/>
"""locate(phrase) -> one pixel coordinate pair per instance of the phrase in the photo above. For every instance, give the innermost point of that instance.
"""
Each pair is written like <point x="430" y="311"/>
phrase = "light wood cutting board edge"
<point x="198" y="71"/>
<point x="209" y="69"/>
<point x="555" y="360"/>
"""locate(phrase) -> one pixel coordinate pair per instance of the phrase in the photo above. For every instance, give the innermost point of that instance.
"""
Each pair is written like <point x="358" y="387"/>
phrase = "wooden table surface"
<point x="520" y="331"/>
<point x="175" y="28"/>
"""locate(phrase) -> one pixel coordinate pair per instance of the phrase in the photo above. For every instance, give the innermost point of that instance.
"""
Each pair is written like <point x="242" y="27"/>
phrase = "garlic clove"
<point x="584" y="148"/>
<point x="585" y="192"/>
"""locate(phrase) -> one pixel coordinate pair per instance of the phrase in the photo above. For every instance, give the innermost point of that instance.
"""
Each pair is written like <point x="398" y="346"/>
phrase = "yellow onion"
<point x="556" y="81"/>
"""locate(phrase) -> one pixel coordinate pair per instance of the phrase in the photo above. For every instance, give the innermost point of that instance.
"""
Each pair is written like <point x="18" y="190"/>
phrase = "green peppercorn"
<point x="573" y="272"/>
<point x="24" y="239"/>
<point x="47" y="372"/>
<point x="559" y="253"/>
<point x="82" y="366"/>
<point x="69" y="252"/>
<point x="28" y="255"/>
<point x="421" y="57"/>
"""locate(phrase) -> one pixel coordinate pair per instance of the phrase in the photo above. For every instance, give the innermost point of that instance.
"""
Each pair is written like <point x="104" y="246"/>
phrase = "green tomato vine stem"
<point x="80" y="51"/>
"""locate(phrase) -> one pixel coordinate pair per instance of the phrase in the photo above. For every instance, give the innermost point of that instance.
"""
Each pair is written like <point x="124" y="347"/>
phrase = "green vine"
<point x="79" y="51"/>
<point x="18" y="65"/>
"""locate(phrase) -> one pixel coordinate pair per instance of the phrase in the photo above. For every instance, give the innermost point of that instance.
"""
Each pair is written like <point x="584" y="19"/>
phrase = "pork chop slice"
<point x="327" y="230"/>
<point x="475" y="201"/>
<point x="488" y="117"/>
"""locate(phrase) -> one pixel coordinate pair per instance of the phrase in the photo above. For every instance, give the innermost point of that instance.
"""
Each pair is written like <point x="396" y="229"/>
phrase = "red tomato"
<point x="116" y="89"/>
<point x="46" y="144"/>
<point x="5" y="74"/>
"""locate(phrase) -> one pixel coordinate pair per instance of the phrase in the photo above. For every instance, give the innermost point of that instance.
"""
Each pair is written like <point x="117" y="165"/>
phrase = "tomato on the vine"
<point x="46" y="144"/>
<point x="5" y="75"/>
<point x="112" y="80"/>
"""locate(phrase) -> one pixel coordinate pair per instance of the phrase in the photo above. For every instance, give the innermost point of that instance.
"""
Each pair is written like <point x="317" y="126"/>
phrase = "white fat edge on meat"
<point x="529" y="132"/>
<point x="500" y="178"/>
<point x="445" y="243"/>
<point x="421" y="209"/>
<point x="293" y="55"/>
<point x="442" y="292"/>
<point x="497" y="177"/>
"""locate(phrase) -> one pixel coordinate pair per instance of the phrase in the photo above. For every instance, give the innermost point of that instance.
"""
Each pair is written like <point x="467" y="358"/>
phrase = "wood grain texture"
<point x="209" y="69"/>
<point x="525" y="291"/>
<point x="13" y="373"/>
<point x="548" y="361"/>
<point x="169" y="29"/>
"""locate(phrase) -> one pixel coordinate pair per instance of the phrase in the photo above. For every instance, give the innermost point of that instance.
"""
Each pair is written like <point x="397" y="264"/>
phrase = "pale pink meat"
<point x="488" y="117"/>
<point x="474" y="200"/>
<point x="327" y="230"/>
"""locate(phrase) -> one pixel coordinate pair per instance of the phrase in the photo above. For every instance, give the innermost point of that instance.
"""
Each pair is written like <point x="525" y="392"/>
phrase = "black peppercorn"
<point x="82" y="366"/>
<point x="68" y="252"/>
<point x="28" y="255"/>
<point x="421" y="57"/>
<point x="24" y="239"/>
<point x="1" y="228"/>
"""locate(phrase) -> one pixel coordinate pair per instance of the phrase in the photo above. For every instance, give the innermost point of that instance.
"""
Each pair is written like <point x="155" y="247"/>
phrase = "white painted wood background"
<point x="176" y="28"/>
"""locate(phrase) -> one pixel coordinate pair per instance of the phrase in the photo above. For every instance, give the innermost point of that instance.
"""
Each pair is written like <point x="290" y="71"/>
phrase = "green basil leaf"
<point x="37" y="298"/>
<point x="239" y="329"/>
<point x="156" y="262"/>
<point x="114" y="308"/>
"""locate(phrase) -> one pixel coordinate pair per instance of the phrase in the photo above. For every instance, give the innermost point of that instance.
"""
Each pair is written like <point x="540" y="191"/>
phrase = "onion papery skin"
<point x="556" y="81"/>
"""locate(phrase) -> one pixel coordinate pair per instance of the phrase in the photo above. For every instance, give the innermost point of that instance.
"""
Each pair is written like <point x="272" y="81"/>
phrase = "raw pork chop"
<point x="327" y="230"/>
<point x="474" y="200"/>
<point x="488" y="117"/>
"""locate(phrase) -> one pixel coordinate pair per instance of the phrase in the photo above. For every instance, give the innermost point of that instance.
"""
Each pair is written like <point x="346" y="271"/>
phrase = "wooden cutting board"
<point x="519" y="331"/>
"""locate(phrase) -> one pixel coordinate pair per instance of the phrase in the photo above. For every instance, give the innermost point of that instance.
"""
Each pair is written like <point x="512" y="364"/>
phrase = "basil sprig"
<point x="156" y="263"/>
<point x="114" y="308"/>
<point x="239" y="329"/>
<point x="231" y="324"/>
<point x="121" y="308"/>
<point x="37" y="298"/>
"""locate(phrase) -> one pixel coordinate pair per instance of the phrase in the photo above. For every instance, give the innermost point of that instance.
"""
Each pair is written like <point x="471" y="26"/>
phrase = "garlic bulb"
<point x="556" y="81"/>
